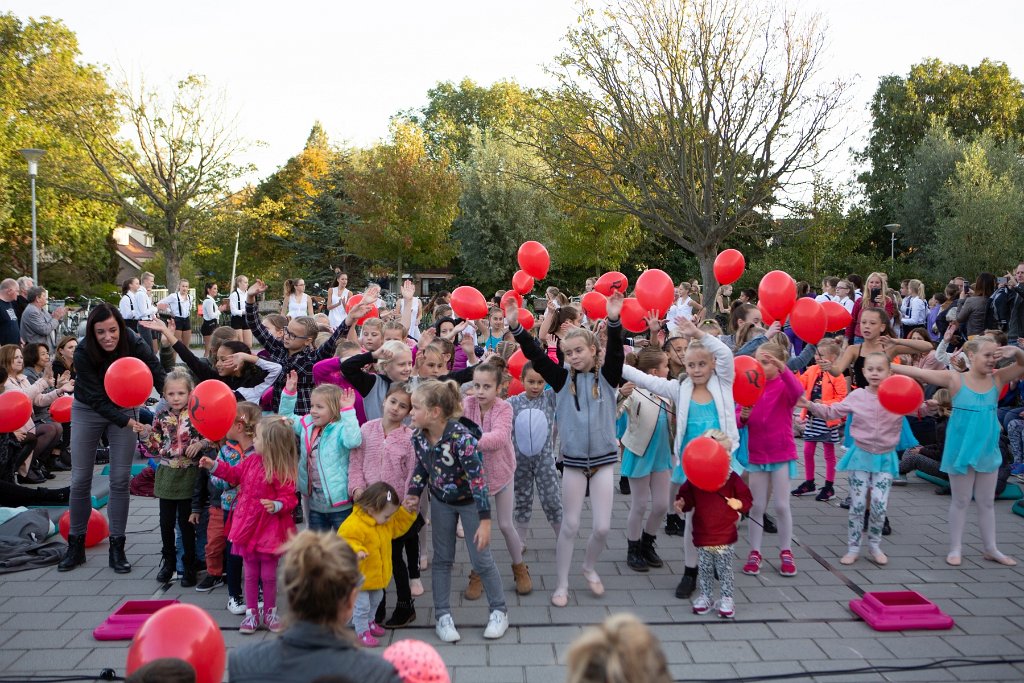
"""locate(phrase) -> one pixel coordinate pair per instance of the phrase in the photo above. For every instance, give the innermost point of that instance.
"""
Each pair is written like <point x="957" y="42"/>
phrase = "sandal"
<point x="560" y="598"/>
<point x="593" y="582"/>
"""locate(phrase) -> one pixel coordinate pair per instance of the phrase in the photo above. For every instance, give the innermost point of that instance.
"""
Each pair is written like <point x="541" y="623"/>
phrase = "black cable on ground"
<point x="949" y="663"/>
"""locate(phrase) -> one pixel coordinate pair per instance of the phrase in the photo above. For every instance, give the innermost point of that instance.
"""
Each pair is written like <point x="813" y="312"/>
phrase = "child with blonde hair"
<point x="620" y="650"/>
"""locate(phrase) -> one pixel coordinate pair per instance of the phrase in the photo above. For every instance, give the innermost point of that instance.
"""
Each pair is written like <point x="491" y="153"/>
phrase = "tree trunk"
<point x="706" y="260"/>
<point x="172" y="255"/>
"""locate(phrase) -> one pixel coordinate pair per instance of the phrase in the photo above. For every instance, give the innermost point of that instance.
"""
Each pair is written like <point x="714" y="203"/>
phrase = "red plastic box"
<point x="127" y="619"/>
<point x="900" y="611"/>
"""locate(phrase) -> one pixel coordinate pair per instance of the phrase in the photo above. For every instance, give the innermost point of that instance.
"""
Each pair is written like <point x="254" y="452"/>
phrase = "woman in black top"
<point x="94" y="415"/>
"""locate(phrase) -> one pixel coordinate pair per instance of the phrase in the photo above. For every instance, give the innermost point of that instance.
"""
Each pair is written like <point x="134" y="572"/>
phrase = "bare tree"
<point x="689" y="115"/>
<point x="176" y="167"/>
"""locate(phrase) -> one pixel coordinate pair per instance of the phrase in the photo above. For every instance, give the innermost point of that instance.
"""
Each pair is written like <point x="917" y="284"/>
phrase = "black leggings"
<point x="232" y="565"/>
<point x="172" y="511"/>
<point x="408" y="567"/>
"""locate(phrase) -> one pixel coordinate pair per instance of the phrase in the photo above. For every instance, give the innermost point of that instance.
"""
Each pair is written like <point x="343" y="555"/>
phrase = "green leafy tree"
<point x="43" y="78"/>
<point x="405" y="202"/>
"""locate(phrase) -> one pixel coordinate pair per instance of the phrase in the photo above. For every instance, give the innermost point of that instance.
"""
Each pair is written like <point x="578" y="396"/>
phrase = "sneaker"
<point x="753" y="565"/>
<point x="624" y="486"/>
<point x="445" y="630"/>
<point x="236" y="605"/>
<point x="827" y="492"/>
<point x="845" y="504"/>
<point x="416" y="587"/>
<point x="272" y="621"/>
<point x="900" y="480"/>
<point x="367" y="640"/>
<point x="376" y="629"/>
<point x="209" y="582"/>
<point x="803" y="489"/>
<point x="496" y="625"/>
<point x="1017" y="469"/>
<point x="886" y="528"/>
<point x="769" y="525"/>
<point x="702" y="605"/>
<point x="250" y="623"/>
<point x="787" y="567"/>
<point x="726" y="608"/>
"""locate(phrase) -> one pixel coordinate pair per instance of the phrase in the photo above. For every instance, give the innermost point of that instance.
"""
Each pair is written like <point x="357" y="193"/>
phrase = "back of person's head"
<point x="346" y="348"/>
<point x="944" y="402"/>
<point x="983" y="286"/>
<point x="377" y="497"/>
<point x="417" y="662"/>
<point x="220" y="336"/>
<point x="278" y="448"/>
<point x="319" y="573"/>
<point x="277" y="320"/>
<point x="621" y="650"/>
<point x="248" y="414"/>
<point x="443" y="395"/>
<point x="164" y="670"/>
<point x="647" y="359"/>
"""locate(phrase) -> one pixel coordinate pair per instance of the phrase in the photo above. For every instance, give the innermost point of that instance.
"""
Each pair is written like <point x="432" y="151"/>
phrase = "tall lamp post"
<point x="892" y="227"/>
<point x="32" y="156"/>
<point x="234" y="261"/>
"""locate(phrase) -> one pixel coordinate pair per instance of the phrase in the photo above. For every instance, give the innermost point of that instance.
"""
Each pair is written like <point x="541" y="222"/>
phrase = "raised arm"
<point x="800" y="362"/>
<point x="666" y="388"/>
<point x="614" y="355"/>
<point x="545" y="367"/>
<point x="939" y="378"/>
<point x="254" y="394"/>
<point x="352" y="370"/>
<point x="1010" y="372"/>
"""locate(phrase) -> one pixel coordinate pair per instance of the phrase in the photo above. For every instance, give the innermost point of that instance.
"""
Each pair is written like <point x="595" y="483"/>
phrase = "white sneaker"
<point x="726" y="608"/>
<point x="445" y="629"/>
<point x="496" y="625"/>
<point x="236" y="605"/>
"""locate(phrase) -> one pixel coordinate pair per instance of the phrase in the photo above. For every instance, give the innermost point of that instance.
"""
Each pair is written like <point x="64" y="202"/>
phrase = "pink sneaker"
<point x="753" y="565"/>
<point x="787" y="567"/>
<point x="367" y="639"/>
<point x="250" y="623"/>
<point x="272" y="621"/>
<point x="376" y="629"/>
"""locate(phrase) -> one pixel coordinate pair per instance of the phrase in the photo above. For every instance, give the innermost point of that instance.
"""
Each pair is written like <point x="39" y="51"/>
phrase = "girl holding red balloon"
<point x="772" y="455"/>
<point x="116" y="371"/>
<point x="178" y="444"/>
<point x="971" y="455"/>
<point x="871" y="462"/>
<point x="585" y="410"/>
<point x="262" y="519"/>
<point x="703" y="400"/>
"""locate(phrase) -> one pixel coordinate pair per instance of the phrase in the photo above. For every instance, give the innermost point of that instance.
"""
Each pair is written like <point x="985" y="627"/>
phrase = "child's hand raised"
<point x="207" y="463"/>
<point x="511" y="312"/>
<point x="773" y="329"/>
<point x="614" y="306"/>
<point x="348" y="398"/>
<point x="381" y="353"/>
<point x="468" y="347"/>
<point x="292" y="385"/>
<point x="426" y="336"/>
<point x="686" y="327"/>
<point x="257" y="287"/>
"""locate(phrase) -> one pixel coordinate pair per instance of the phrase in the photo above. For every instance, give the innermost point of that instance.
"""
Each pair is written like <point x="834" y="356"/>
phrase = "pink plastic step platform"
<point x="127" y="619"/>
<point x="900" y="611"/>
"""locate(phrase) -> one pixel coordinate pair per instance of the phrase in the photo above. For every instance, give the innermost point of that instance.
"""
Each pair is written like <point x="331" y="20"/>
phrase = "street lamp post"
<point x="32" y="156"/>
<point x="892" y="227"/>
<point x="234" y="261"/>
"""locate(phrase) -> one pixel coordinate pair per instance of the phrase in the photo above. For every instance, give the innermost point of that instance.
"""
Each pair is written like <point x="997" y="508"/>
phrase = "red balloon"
<point x="522" y="282"/>
<point x="900" y="394"/>
<point x="468" y="303"/>
<point x="766" y="317"/>
<point x="706" y="464"/>
<point x="60" y="410"/>
<point x="15" y="410"/>
<point x="613" y="281"/>
<point x="515" y="387"/>
<point x="836" y="316"/>
<point x="128" y="382"/>
<point x="526" y="319"/>
<point x="729" y="266"/>
<point x="749" y="383"/>
<point x="534" y="259"/>
<point x="633" y="316"/>
<point x="181" y="631"/>
<point x="655" y="291"/>
<point x="511" y="294"/>
<point x="595" y="305"/>
<point x="212" y="408"/>
<point x="354" y="301"/>
<point x="808" y="320"/>
<point x="777" y="292"/>
<point x="96" y="531"/>
<point x="515" y="364"/>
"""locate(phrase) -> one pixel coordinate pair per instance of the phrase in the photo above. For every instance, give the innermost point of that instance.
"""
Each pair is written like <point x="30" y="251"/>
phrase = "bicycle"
<point x="74" y="318"/>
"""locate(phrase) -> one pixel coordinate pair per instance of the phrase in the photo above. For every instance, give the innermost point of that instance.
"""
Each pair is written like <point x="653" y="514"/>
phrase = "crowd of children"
<point x="378" y="434"/>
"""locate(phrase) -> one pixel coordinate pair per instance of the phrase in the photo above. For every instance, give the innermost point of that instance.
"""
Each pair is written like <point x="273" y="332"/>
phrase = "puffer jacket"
<point x="332" y="464"/>
<point x="250" y="528"/>
<point x="833" y="389"/>
<point x="362" y="532"/>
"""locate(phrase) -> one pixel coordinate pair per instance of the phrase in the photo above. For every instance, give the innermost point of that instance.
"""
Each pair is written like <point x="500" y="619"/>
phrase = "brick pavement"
<point x="783" y="625"/>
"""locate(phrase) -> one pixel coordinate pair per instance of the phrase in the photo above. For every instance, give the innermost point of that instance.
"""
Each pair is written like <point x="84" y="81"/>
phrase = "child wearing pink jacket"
<point x="387" y="455"/>
<point x="494" y="417"/>
<point x="772" y="455"/>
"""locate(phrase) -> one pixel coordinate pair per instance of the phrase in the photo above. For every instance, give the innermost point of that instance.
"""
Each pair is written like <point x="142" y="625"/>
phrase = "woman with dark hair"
<point x="211" y="314"/>
<point x="972" y="311"/>
<point x="234" y="364"/>
<point x="337" y="298"/>
<point x="94" y="415"/>
<point x="129" y="311"/>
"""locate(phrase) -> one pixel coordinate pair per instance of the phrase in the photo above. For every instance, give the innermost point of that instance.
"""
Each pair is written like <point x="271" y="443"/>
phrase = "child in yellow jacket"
<point x="376" y="520"/>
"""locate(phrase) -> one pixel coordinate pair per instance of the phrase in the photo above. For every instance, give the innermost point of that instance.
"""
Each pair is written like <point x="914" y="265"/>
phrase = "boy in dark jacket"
<point x="715" y="515"/>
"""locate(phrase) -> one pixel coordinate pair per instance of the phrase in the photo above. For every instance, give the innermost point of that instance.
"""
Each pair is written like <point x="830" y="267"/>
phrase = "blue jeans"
<point x="443" y="518"/>
<point x="179" y="548"/>
<point x="327" y="521"/>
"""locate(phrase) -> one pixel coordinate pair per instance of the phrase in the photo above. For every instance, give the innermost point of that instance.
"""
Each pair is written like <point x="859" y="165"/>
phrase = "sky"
<point x="353" y="65"/>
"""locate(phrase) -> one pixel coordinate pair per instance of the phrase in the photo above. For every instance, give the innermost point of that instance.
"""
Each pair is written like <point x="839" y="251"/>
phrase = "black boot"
<point x="769" y="525"/>
<point x="886" y="527"/>
<point x="674" y="525"/>
<point x="56" y="495"/>
<point x="55" y="464"/>
<point x="75" y="554"/>
<point x="166" y="571"/>
<point x="118" y="562"/>
<point x="633" y="557"/>
<point x="404" y="614"/>
<point x="188" y="574"/>
<point x="647" y="551"/>
<point x="382" y="610"/>
<point x="687" y="584"/>
<point x="624" y="485"/>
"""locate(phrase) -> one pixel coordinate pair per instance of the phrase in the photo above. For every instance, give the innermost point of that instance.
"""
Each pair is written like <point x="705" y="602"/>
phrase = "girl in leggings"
<point x="585" y="413"/>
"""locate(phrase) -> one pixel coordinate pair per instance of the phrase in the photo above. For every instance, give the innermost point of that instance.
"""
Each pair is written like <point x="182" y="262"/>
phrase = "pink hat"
<point x="417" y="662"/>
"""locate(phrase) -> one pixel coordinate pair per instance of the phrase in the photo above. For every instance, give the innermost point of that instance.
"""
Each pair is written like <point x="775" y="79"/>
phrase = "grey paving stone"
<point x="710" y="652"/>
<point x="769" y="650"/>
<point x="42" y="659"/>
<point x="489" y="674"/>
<point x="520" y="654"/>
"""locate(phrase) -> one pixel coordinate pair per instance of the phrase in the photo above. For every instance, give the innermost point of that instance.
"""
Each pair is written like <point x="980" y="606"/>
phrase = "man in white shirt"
<point x="145" y="310"/>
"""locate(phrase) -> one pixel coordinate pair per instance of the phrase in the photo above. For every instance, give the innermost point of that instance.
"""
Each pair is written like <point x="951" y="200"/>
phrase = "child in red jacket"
<point x="715" y="515"/>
